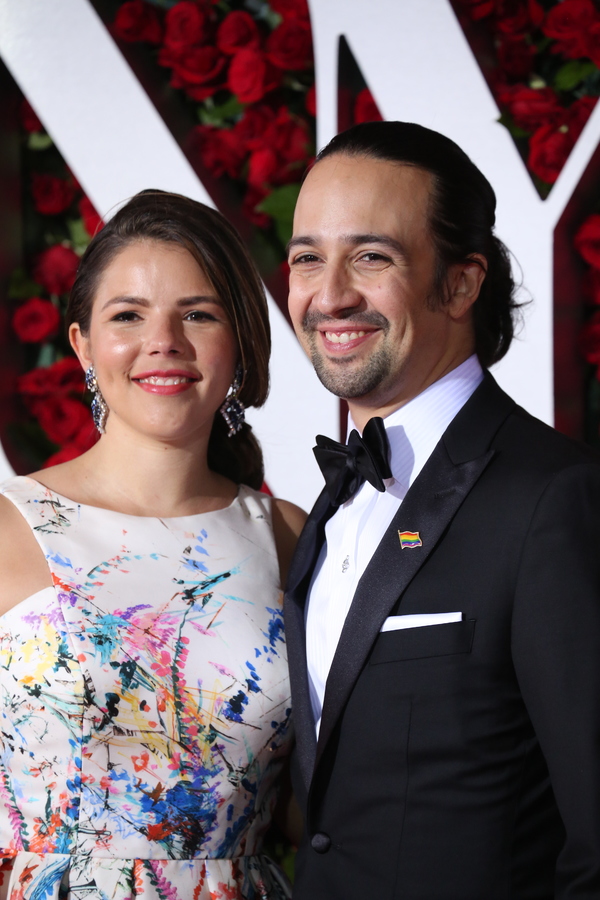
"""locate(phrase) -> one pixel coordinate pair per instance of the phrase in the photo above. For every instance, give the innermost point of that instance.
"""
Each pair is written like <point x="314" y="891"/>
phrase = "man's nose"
<point x="336" y="291"/>
<point x="166" y="337"/>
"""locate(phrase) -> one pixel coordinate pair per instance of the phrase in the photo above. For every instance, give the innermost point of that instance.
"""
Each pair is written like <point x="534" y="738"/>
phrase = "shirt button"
<point x="321" y="842"/>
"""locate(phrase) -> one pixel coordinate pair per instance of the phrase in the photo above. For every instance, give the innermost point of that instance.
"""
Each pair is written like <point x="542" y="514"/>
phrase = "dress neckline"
<point x="116" y="512"/>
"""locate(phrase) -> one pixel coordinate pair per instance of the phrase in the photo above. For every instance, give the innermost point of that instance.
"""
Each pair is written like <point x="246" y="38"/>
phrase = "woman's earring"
<point x="232" y="409"/>
<point x="99" y="407"/>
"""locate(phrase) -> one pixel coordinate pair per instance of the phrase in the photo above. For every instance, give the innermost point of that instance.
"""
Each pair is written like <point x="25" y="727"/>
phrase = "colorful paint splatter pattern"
<point x="144" y="706"/>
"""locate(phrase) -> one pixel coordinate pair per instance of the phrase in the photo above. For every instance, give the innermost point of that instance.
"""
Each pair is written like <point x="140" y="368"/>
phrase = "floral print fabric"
<point x="144" y="705"/>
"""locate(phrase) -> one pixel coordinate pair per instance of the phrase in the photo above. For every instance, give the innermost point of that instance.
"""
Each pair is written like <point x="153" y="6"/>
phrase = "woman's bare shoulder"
<point x="288" y="521"/>
<point x="288" y="515"/>
<point x="23" y="568"/>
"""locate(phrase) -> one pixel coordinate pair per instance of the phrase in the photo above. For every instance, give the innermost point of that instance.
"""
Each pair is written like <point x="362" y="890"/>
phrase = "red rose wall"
<point x="218" y="101"/>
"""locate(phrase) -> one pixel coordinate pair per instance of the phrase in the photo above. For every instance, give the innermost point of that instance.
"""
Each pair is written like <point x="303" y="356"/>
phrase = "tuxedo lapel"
<point x="431" y="503"/>
<point x="303" y="563"/>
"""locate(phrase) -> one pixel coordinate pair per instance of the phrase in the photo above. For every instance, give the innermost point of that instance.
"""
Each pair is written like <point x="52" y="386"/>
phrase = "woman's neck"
<point x="140" y="476"/>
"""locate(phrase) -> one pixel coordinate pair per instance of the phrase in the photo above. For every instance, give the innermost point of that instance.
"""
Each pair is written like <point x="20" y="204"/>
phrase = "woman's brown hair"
<point x="154" y="215"/>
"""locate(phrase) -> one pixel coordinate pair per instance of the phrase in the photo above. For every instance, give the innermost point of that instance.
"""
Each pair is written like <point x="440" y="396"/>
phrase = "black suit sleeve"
<point x="556" y="653"/>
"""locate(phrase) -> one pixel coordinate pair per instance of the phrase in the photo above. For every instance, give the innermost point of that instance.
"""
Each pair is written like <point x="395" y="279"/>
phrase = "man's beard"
<point x="337" y="375"/>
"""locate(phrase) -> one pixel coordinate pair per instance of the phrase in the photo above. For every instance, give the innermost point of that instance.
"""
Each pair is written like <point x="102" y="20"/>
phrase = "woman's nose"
<point x="166" y="337"/>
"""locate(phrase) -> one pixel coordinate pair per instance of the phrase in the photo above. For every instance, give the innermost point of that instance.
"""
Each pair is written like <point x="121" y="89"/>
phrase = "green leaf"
<point x="79" y="236"/>
<point x="46" y="357"/>
<point x="217" y="115"/>
<point x="22" y="286"/>
<point x="280" y="205"/>
<point x="38" y="140"/>
<point x="507" y="120"/>
<point x="572" y="73"/>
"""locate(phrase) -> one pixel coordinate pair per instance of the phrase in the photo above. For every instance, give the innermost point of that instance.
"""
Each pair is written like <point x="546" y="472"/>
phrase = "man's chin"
<point x="345" y="383"/>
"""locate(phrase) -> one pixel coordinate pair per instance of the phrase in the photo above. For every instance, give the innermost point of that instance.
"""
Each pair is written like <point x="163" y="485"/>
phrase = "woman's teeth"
<point x="345" y="336"/>
<point x="155" y="379"/>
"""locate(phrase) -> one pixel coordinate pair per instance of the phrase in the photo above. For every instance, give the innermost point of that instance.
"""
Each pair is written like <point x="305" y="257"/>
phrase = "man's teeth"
<point x="344" y="337"/>
<point x="155" y="379"/>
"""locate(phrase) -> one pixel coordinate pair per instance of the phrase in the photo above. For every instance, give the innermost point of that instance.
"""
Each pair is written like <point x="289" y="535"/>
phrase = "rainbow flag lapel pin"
<point x="410" y="539"/>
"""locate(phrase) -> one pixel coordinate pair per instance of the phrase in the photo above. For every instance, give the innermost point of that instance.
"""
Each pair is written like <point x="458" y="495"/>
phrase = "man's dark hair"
<point x="461" y="219"/>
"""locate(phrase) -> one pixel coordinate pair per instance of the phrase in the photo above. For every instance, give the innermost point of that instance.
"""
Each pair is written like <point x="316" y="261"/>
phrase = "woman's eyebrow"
<point x="141" y="301"/>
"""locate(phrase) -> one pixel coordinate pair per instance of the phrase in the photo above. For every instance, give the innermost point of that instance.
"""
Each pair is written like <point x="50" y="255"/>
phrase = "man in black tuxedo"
<point x="443" y="607"/>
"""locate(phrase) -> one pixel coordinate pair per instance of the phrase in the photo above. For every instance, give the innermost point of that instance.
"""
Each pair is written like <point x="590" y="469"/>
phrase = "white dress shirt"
<point x="355" y="530"/>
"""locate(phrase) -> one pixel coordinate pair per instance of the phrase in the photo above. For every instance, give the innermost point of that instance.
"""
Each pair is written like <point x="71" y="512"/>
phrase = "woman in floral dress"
<point x="144" y="700"/>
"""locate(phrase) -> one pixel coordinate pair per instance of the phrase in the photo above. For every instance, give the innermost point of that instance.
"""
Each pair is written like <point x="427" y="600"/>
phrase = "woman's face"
<point x="161" y="343"/>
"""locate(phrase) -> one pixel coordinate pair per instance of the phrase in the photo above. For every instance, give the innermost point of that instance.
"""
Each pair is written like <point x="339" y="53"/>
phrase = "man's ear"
<point x="81" y="345"/>
<point x="465" y="284"/>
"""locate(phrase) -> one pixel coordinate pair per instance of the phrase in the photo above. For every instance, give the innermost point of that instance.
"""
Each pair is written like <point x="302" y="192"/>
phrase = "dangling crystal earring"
<point x="99" y="407"/>
<point x="232" y="409"/>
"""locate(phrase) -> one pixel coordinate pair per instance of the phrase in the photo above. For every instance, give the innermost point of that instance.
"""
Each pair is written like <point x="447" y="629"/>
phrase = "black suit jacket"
<point x="462" y="761"/>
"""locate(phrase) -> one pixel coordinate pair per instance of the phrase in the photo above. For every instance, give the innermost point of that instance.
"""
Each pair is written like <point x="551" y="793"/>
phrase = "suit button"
<point x="321" y="842"/>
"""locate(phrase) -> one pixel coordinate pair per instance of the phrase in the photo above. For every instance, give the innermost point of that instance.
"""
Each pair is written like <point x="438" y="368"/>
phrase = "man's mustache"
<point x="313" y="319"/>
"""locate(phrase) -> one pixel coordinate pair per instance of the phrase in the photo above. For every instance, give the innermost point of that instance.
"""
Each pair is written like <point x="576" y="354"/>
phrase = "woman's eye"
<point x="199" y="315"/>
<point x="127" y="316"/>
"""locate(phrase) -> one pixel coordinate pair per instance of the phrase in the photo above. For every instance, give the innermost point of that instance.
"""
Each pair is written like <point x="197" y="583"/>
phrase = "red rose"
<point x="87" y="436"/>
<point x="594" y="43"/>
<point x="289" y="136"/>
<point x="36" y="320"/>
<point x="568" y="23"/>
<point x="62" y="377"/>
<point x="92" y="222"/>
<point x="516" y="55"/>
<point x="51" y="195"/>
<point x="138" y="21"/>
<point x="28" y="117"/>
<point x="251" y="76"/>
<point x="578" y="114"/>
<point x="237" y="31"/>
<point x="219" y="149"/>
<point x="536" y="13"/>
<point x="61" y="417"/>
<point x="199" y="71"/>
<point x="590" y="287"/>
<point x="529" y="107"/>
<point x="587" y="240"/>
<point x="56" y="268"/>
<point x="512" y="16"/>
<point x="186" y="24"/>
<point x="253" y="196"/>
<point x="589" y="340"/>
<point x="65" y="454"/>
<point x="290" y="45"/>
<point x="250" y="129"/>
<point x="310" y="101"/>
<point x="290" y="9"/>
<point x="549" y="149"/>
<point x="365" y="108"/>
<point x="262" y="167"/>
<point x="478" y="9"/>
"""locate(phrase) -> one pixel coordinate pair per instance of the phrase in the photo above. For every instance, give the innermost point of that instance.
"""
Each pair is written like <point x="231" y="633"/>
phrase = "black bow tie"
<point x="345" y="468"/>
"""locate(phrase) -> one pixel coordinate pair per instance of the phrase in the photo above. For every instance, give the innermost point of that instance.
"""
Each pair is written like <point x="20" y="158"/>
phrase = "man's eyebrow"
<point x="304" y="241"/>
<point x="354" y="240"/>
<point x="184" y="302"/>
<point x="372" y="238"/>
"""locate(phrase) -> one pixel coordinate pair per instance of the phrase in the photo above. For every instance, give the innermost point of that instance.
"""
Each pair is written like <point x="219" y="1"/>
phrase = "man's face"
<point x="362" y="266"/>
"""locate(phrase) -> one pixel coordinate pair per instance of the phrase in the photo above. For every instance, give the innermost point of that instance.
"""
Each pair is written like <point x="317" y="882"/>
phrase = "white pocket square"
<point x="394" y="623"/>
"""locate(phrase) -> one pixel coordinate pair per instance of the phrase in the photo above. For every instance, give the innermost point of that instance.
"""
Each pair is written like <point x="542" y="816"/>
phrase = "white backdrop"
<point x="419" y="67"/>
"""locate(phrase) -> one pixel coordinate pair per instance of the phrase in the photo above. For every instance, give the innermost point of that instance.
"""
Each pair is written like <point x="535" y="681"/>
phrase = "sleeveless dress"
<point x="144" y="705"/>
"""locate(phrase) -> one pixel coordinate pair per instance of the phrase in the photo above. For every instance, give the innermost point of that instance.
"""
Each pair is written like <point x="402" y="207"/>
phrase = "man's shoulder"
<point x="533" y="443"/>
